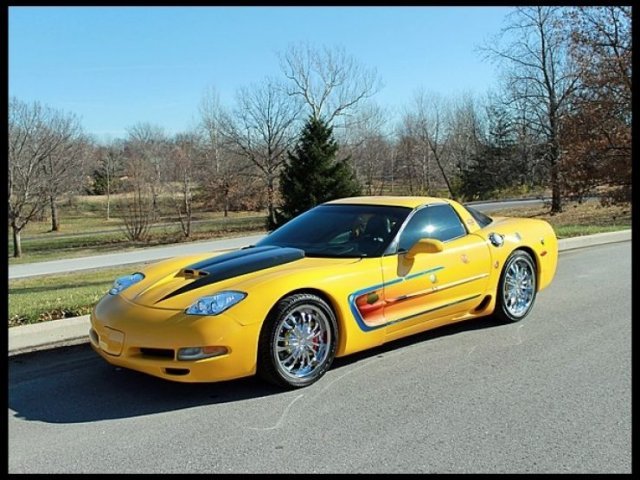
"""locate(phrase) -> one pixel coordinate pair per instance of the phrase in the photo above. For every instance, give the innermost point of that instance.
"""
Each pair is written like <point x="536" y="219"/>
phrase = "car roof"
<point x="396" y="201"/>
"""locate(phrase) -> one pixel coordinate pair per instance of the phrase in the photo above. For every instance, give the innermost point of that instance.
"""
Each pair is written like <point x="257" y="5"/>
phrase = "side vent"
<point x="483" y="304"/>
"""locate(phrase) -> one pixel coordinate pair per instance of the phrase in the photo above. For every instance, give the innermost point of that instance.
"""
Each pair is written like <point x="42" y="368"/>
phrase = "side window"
<point x="438" y="221"/>
<point x="414" y="229"/>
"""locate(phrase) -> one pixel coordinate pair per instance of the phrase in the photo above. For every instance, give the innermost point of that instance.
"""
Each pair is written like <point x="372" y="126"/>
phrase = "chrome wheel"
<point x="298" y="341"/>
<point x="519" y="286"/>
<point x="301" y="344"/>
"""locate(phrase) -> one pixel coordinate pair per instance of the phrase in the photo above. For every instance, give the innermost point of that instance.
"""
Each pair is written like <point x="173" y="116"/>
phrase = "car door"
<point x="430" y="286"/>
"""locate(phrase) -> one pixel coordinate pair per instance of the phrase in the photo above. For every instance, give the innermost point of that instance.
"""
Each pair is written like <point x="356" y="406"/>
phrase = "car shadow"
<point x="465" y="326"/>
<point x="74" y="385"/>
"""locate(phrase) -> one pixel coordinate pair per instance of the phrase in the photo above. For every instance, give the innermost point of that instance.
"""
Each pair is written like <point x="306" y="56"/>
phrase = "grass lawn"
<point x="83" y="221"/>
<point x="57" y="296"/>
<point x="577" y="219"/>
<point x="106" y="238"/>
<point x="51" y="297"/>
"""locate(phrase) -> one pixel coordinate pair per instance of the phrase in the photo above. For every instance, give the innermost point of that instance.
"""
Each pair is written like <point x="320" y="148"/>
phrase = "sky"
<point x="117" y="66"/>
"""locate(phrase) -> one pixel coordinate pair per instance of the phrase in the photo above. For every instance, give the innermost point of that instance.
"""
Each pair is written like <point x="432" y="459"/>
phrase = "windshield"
<point x="345" y="231"/>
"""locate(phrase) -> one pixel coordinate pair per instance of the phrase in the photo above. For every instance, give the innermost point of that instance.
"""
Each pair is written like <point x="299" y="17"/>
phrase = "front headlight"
<point x="215" y="304"/>
<point x="125" y="282"/>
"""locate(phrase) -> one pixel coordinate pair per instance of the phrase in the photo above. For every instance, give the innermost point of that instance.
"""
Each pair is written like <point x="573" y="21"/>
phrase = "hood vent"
<point x="191" y="273"/>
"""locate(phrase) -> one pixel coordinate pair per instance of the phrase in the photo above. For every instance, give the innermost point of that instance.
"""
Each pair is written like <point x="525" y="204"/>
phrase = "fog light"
<point x="196" y="353"/>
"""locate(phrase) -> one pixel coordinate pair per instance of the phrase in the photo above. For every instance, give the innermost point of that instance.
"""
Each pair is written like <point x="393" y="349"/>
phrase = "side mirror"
<point x="425" y="245"/>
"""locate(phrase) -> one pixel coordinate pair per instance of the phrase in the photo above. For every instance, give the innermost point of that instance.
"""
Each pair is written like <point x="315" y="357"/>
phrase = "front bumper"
<point x="148" y="339"/>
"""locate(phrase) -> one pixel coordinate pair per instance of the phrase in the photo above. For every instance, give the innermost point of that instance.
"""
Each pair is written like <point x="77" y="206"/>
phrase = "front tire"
<point x="517" y="288"/>
<point x="298" y="341"/>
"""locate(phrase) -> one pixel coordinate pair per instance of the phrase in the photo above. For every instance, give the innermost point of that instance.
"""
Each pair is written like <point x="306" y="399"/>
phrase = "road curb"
<point x="511" y="199"/>
<point x="47" y="335"/>
<point x="74" y="331"/>
<point x="592" y="240"/>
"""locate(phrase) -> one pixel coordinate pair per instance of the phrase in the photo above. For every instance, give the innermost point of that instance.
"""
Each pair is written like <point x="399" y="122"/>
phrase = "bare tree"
<point x="26" y="126"/>
<point x="109" y="160"/>
<point x="465" y="131"/>
<point x="533" y="166"/>
<point x="533" y="51"/>
<point x="36" y="134"/>
<point x="432" y="119"/>
<point x="186" y="156"/>
<point x="406" y="159"/>
<point x="329" y="81"/>
<point x="150" y="142"/>
<point x="211" y="116"/>
<point x="136" y="208"/>
<point x="136" y="211"/>
<point x="261" y="129"/>
<point x="366" y="143"/>
<point x="63" y="167"/>
<point x="413" y="156"/>
<point x="223" y="168"/>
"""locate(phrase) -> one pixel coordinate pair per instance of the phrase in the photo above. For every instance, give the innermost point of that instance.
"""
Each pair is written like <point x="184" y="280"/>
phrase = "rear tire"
<point x="298" y="341"/>
<point x="517" y="288"/>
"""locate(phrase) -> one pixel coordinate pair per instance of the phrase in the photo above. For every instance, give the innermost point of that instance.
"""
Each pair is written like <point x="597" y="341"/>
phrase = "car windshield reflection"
<point x="341" y="231"/>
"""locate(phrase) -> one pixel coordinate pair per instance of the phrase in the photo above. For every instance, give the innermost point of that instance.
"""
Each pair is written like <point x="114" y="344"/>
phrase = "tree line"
<point x="560" y="120"/>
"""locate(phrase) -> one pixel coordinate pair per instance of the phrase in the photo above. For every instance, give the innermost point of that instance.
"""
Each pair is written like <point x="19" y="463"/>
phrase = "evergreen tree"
<point x="481" y="178"/>
<point x="494" y="166"/>
<point x="312" y="175"/>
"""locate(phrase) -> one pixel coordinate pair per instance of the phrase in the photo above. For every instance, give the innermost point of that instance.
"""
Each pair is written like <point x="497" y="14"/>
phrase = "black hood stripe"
<point x="237" y="263"/>
<point x="210" y="263"/>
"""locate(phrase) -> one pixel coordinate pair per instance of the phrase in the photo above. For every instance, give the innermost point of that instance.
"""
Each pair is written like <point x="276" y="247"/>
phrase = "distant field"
<point x="85" y="231"/>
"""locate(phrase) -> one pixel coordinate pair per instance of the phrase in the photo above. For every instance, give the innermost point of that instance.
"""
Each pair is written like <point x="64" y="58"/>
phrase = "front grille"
<point x="158" y="353"/>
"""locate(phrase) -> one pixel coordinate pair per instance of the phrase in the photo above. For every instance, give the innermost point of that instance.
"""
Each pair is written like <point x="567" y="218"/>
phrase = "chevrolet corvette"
<point x="345" y="276"/>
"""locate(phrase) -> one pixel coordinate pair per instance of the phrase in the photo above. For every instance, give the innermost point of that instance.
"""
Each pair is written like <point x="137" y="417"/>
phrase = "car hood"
<point x="180" y="283"/>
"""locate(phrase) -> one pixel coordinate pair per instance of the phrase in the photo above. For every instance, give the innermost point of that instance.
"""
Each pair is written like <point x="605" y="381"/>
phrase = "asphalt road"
<point x="549" y="394"/>
<point x="157" y="253"/>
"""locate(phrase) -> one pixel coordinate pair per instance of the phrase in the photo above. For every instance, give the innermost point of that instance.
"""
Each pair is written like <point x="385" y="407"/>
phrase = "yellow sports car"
<point x="345" y="276"/>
